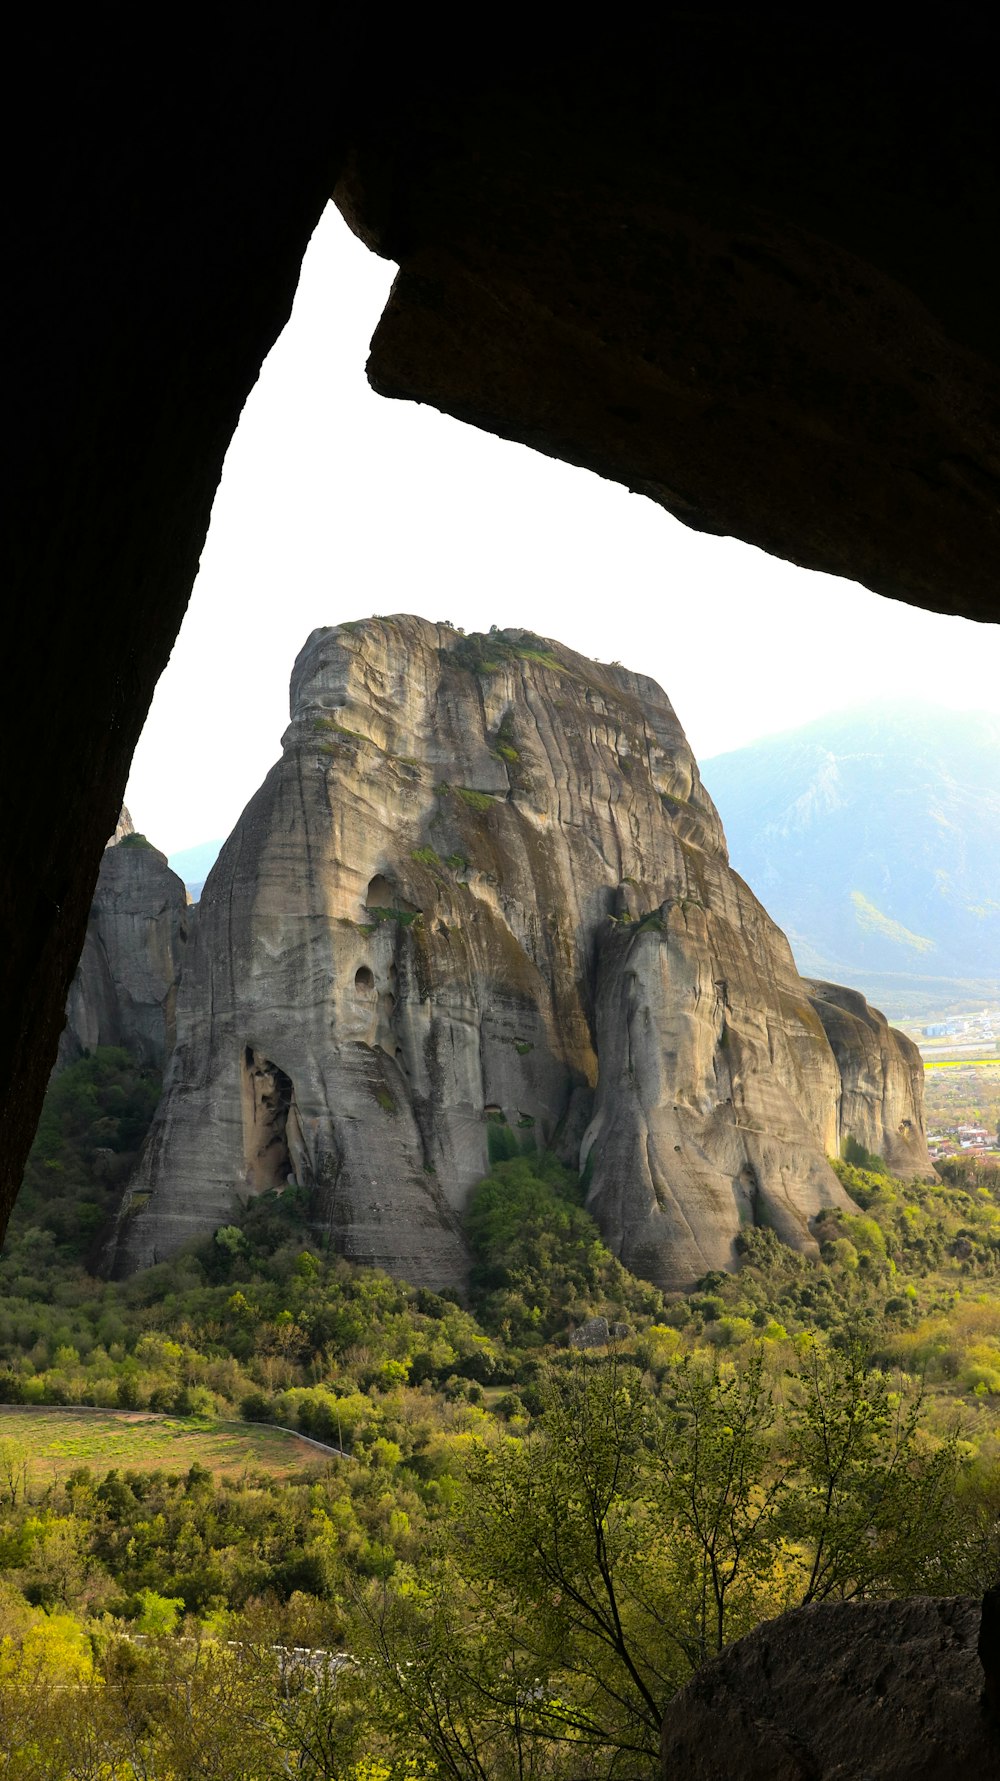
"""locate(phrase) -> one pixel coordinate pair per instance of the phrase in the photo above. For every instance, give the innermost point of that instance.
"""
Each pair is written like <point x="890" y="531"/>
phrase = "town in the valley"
<point x="962" y="1083"/>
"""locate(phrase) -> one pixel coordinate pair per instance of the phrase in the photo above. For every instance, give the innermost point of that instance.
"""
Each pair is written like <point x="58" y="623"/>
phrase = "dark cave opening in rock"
<point x="380" y="894"/>
<point x="364" y="980"/>
<point x="267" y="1096"/>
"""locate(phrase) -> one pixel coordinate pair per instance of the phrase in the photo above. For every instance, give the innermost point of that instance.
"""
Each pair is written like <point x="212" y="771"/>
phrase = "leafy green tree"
<point x="540" y="1264"/>
<point x="875" y="1511"/>
<point x="719" y="1486"/>
<point x="600" y="1560"/>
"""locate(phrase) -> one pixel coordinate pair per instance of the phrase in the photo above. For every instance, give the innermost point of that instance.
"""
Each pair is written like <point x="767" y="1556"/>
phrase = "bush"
<point x="255" y="1407"/>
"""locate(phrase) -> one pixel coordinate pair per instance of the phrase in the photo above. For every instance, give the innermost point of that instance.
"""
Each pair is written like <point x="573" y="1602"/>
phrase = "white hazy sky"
<point x="335" y="504"/>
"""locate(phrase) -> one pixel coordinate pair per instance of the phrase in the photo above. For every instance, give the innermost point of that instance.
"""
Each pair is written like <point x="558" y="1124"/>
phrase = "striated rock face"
<point x="125" y="988"/>
<point x="484" y="887"/>
<point x="849" y="1691"/>
<point x="881" y="1078"/>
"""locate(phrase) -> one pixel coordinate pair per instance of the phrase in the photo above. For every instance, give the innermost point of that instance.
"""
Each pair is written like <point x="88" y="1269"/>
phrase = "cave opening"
<point x="380" y="893"/>
<point x="267" y="1101"/>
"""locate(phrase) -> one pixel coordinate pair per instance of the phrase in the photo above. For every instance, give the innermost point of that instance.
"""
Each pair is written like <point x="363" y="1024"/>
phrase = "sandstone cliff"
<point x="881" y="1078"/>
<point x="125" y="988"/>
<point x="485" y="887"/>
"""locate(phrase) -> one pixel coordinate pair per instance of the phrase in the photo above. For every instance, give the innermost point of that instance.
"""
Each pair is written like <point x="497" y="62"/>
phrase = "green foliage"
<point x="329" y="726"/>
<point x="875" y="1514"/>
<point x="595" y="1563"/>
<point x="528" y="1548"/>
<point x="96" y="1113"/>
<point x="502" y="1142"/>
<point x="405" y="917"/>
<point x="486" y="654"/>
<point x="858" y="1157"/>
<point x="135" y="840"/>
<point x="480" y="801"/>
<point x="426" y="856"/>
<point x="539" y="1264"/>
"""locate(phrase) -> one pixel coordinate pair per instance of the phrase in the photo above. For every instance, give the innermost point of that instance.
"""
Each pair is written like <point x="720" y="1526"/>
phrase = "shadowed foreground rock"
<point x="850" y="1691"/>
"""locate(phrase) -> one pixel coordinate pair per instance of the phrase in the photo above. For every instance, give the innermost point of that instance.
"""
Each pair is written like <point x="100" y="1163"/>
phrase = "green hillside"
<point x="559" y="1499"/>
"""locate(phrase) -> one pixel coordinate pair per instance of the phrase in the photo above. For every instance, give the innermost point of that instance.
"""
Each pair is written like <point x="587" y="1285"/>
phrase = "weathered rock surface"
<point x="125" y="988"/>
<point x="485" y="885"/>
<point x="881" y="1078"/>
<point x="850" y="1691"/>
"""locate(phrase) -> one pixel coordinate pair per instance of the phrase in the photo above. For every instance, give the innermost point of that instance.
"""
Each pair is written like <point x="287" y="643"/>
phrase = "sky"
<point x="336" y="503"/>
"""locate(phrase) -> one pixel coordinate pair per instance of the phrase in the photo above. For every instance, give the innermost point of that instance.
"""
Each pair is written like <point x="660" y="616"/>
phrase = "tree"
<point x="14" y="1471"/>
<point x="720" y="1487"/>
<point x="875" y="1510"/>
<point x="549" y="1635"/>
<point x="599" y="1561"/>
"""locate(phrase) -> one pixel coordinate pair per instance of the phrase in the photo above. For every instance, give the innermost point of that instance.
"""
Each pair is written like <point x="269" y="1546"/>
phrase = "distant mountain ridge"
<point x="193" y="864"/>
<point x="873" y="837"/>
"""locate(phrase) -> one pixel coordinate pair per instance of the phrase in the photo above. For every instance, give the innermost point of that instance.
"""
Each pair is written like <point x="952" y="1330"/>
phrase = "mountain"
<point x="873" y="836"/>
<point x="483" y="903"/>
<point x="125" y="988"/>
<point x="193" y="864"/>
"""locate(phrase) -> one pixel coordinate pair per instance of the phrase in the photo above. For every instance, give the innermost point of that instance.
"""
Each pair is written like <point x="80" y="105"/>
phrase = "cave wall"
<point x="746" y="266"/>
<point x="164" y="201"/>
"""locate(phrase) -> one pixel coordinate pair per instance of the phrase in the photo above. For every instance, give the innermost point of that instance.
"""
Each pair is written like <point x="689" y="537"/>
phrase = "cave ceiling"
<point x="747" y="268"/>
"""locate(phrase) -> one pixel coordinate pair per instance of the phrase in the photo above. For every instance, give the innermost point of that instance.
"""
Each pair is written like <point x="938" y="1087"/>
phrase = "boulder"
<point x="845" y="1691"/>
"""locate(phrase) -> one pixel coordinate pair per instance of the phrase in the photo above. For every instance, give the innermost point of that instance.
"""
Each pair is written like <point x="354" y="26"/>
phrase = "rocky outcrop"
<point x="484" y="892"/>
<point x="125" y="988"/>
<point x="881" y="1079"/>
<point x="850" y="1691"/>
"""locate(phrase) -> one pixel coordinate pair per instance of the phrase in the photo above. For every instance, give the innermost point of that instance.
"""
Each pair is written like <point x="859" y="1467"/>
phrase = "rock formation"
<point x="485" y="888"/>
<point x="125" y="988"/>
<point x="850" y="1691"/>
<point x="881" y="1078"/>
<point x="744" y="270"/>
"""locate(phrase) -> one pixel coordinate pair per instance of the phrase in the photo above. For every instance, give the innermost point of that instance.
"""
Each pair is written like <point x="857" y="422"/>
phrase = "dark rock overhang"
<point x="745" y="265"/>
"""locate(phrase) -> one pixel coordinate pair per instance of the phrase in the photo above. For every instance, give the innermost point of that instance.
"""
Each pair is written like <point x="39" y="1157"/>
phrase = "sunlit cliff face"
<point x="484" y="891"/>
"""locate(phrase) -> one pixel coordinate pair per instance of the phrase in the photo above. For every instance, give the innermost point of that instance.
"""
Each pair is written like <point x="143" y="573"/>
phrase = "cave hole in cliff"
<point x="364" y="980"/>
<point x="383" y="897"/>
<point x="267" y="1098"/>
<point x="380" y="894"/>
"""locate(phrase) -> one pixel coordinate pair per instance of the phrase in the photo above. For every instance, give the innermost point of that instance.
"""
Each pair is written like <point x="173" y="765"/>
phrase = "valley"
<point x="162" y="1544"/>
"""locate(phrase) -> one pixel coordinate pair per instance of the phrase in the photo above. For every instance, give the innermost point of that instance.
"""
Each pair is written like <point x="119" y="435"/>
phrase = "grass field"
<point x="961" y="1063"/>
<point x="58" y="1441"/>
